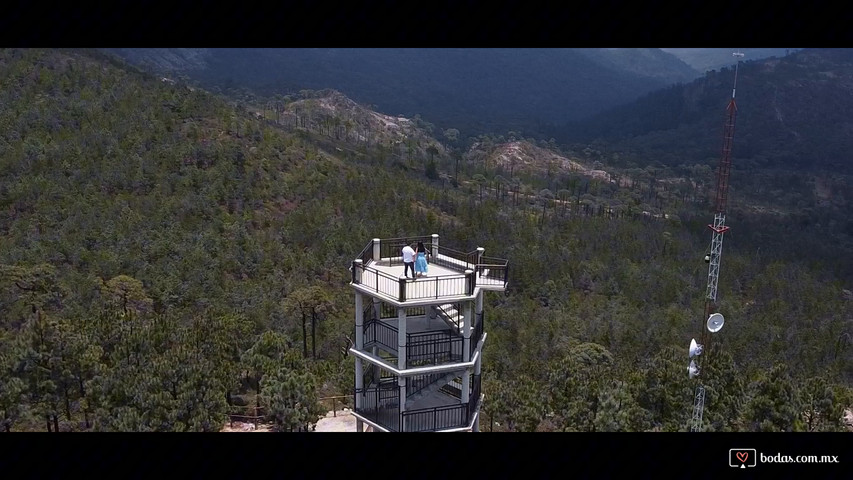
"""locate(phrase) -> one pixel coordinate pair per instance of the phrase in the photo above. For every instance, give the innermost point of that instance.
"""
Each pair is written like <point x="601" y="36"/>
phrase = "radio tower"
<point x="718" y="229"/>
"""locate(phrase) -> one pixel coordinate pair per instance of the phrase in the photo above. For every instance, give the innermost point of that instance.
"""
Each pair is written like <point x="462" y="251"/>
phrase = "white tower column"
<point x="478" y="308"/>
<point x="401" y="338"/>
<point x="466" y="386"/>
<point x="401" y="360"/>
<point x="359" y="321"/>
<point x="376" y="249"/>
<point x="358" y="269"/>
<point x="477" y="371"/>
<point x="359" y="344"/>
<point x="466" y="350"/>
<point x="434" y="244"/>
<point x="466" y="331"/>
<point x="377" y="306"/>
<point x="478" y="364"/>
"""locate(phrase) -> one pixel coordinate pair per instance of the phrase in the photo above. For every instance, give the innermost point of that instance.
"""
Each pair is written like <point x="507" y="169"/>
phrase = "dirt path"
<point x="343" y="422"/>
<point x="246" y="427"/>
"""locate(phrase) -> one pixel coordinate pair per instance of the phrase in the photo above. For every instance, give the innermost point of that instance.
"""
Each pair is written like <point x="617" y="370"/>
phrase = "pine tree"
<point x="773" y="405"/>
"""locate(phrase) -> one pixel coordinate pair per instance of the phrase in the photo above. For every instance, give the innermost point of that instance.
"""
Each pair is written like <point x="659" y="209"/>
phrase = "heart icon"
<point x="742" y="456"/>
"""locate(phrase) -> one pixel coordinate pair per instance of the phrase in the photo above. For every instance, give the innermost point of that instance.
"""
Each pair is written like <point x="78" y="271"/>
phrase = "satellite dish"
<point x="715" y="322"/>
<point x="695" y="348"/>
<point x="692" y="370"/>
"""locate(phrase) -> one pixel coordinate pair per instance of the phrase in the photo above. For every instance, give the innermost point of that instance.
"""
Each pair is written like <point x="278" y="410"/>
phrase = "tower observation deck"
<point x="419" y="341"/>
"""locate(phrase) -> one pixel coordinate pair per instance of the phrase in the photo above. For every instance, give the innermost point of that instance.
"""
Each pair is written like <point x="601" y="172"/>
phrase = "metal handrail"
<point x="432" y="348"/>
<point x="366" y="254"/>
<point x="427" y="240"/>
<point x="417" y="383"/>
<point x="407" y="239"/>
<point x="380" y="405"/>
<point x="450" y="317"/>
<point x="400" y="289"/>
<point x="499" y="261"/>
<point x="420" y="420"/>
<point x="372" y="335"/>
<point x="474" y="396"/>
<point x="435" y="345"/>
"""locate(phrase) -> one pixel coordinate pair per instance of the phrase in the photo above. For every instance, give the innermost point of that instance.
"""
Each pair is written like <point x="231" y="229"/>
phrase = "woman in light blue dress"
<point x="421" y="264"/>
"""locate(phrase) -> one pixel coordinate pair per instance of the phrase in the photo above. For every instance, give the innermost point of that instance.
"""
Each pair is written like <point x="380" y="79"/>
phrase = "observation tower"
<point x="419" y="342"/>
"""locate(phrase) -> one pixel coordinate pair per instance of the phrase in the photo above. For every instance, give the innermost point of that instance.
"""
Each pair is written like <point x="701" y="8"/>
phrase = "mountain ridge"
<point x="791" y="113"/>
<point x="469" y="89"/>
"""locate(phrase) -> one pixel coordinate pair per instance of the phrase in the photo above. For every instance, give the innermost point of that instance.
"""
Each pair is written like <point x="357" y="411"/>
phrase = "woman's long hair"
<point x="421" y="247"/>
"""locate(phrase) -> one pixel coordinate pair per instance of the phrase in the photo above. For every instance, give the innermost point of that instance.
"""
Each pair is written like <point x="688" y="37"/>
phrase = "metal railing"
<point x="371" y="377"/>
<point x="416" y="383"/>
<point x="390" y="311"/>
<point x="422" y="348"/>
<point x="432" y="348"/>
<point x="454" y="319"/>
<point x="380" y="405"/>
<point x="491" y="271"/>
<point x="379" y="282"/>
<point x="411" y="289"/>
<point x="436" y="418"/>
<point x="435" y="287"/>
<point x="392" y="248"/>
<point x="369" y="312"/>
<point x="366" y="255"/>
<point x="474" y="399"/>
<point x="368" y="376"/>
<point x="382" y="334"/>
<point x="465" y="261"/>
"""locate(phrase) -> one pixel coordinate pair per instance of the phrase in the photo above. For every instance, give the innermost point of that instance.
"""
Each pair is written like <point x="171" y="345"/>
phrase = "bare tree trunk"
<point x="304" y="338"/>
<point x="313" y="339"/>
<point x="67" y="406"/>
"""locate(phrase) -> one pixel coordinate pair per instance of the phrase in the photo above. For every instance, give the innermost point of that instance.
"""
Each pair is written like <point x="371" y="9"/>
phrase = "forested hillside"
<point x="704" y="59"/>
<point x="167" y="256"/>
<point x="792" y="114"/>
<point x="474" y="90"/>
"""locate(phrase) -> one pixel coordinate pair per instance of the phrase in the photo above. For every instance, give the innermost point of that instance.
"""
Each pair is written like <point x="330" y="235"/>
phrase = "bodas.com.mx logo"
<point x="742" y="457"/>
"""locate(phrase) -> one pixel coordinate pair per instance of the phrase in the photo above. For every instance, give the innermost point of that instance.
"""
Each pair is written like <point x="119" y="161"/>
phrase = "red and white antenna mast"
<point x="718" y="229"/>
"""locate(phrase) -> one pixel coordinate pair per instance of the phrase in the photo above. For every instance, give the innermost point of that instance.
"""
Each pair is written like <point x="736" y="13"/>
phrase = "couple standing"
<point x="415" y="258"/>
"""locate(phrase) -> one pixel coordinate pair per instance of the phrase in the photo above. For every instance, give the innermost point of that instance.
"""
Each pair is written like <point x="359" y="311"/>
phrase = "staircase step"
<point x="431" y="388"/>
<point x="452" y="391"/>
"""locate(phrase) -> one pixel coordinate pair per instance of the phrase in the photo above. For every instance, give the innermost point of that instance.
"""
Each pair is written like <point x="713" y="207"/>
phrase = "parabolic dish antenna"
<point x="715" y="322"/>
<point x="695" y="348"/>
<point x="692" y="370"/>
